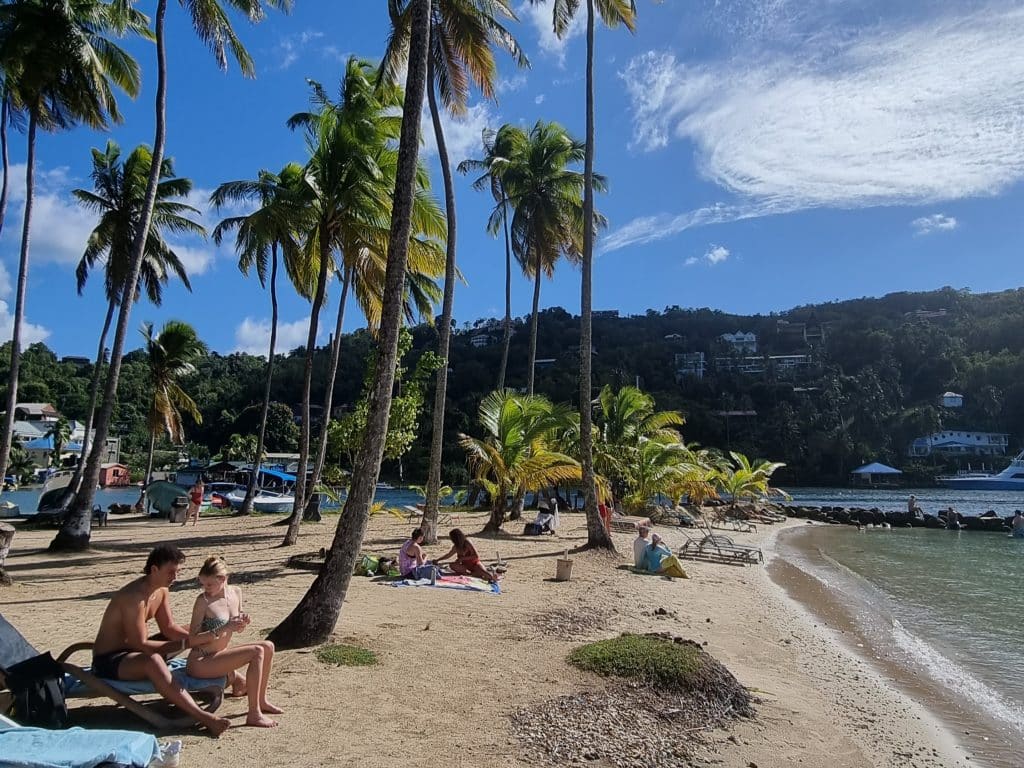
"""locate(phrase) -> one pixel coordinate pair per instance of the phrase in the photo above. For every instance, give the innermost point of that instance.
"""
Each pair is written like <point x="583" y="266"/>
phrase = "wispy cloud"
<point x="539" y="16"/>
<point x="511" y="84"/>
<point x="290" y="47"/>
<point x="901" y="113"/>
<point x="461" y="134"/>
<point x="538" y="99"/>
<point x="253" y="336"/>
<point x="937" y="222"/>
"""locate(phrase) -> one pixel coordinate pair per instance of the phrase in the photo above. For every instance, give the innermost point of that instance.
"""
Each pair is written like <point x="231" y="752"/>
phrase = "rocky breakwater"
<point x="860" y="516"/>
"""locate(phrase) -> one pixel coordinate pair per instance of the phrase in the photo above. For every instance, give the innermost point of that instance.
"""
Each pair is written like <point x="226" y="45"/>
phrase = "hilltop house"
<point x="741" y="342"/>
<point x="959" y="442"/>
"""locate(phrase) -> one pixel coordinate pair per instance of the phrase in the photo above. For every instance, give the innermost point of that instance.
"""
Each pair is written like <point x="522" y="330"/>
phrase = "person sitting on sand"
<point x="547" y="515"/>
<point x="122" y="651"/>
<point x="216" y="616"/>
<point x="467" y="561"/>
<point x="656" y="551"/>
<point x="1017" y="526"/>
<point x="412" y="562"/>
<point x="640" y="544"/>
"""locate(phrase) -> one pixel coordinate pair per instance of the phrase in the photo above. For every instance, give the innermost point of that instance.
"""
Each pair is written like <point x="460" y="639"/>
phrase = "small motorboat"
<point x="264" y="501"/>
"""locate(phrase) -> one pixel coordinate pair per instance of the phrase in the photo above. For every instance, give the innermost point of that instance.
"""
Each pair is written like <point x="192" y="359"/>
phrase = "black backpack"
<point x="38" y="688"/>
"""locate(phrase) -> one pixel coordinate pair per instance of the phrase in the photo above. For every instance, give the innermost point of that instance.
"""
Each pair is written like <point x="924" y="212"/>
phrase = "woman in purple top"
<point x="410" y="556"/>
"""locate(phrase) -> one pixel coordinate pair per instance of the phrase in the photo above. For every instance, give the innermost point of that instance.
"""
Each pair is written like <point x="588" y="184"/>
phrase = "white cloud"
<point x="540" y="17"/>
<point x="691" y="261"/>
<point x="511" y="84"/>
<point x="6" y="284"/>
<point x="891" y="114"/>
<point x="290" y="47"/>
<point x="461" y="134"/>
<point x="195" y="260"/>
<point x="253" y="336"/>
<point x="30" y="333"/>
<point x="716" y="254"/>
<point x="539" y="99"/>
<point x="937" y="222"/>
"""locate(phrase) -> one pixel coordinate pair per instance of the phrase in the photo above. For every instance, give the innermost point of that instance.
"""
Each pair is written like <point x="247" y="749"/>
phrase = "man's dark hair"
<point x="163" y="554"/>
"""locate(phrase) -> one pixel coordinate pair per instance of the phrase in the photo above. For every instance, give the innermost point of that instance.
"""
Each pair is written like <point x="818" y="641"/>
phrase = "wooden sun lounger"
<point x="416" y="513"/>
<point x="628" y="523"/>
<point x="721" y="549"/>
<point x="208" y="693"/>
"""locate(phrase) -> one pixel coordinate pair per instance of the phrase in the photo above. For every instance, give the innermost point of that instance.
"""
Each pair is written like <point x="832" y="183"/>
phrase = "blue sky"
<point x="761" y="154"/>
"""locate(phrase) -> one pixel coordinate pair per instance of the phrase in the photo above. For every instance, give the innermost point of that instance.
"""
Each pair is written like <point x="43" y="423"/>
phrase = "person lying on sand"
<point x="216" y="616"/>
<point x="122" y="651"/>
<point x="467" y="561"/>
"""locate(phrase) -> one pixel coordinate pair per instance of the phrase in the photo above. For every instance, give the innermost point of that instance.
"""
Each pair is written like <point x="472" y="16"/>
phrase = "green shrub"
<point x="346" y="656"/>
<point x="640" y="657"/>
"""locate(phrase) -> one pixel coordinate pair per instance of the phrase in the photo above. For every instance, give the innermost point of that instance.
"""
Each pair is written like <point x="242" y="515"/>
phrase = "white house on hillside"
<point x="960" y="442"/>
<point x="741" y="342"/>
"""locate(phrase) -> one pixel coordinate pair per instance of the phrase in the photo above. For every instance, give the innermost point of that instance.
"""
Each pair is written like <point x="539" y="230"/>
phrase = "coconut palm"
<point x="279" y="221"/>
<point x="170" y="357"/>
<point x="517" y="453"/>
<point x="746" y="480"/>
<point x="60" y="433"/>
<point x="547" y="220"/>
<point x="498" y="146"/>
<point x="352" y="170"/>
<point x="212" y="25"/>
<point x="316" y="615"/>
<point x="613" y="13"/>
<point x="462" y="35"/>
<point x="61" y="69"/>
<point x="117" y="194"/>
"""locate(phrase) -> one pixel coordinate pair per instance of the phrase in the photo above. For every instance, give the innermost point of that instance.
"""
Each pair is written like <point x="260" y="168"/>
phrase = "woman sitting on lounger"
<point x="467" y="561"/>
<point x="217" y="615"/>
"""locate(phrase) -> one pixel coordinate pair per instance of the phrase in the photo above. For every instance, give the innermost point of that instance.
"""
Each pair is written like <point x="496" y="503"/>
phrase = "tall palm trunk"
<point x="444" y="331"/>
<point x="19" y="302"/>
<point x="149" y="462"/>
<point x="597" y="536"/>
<point x="533" y="328"/>
<point x="4" y="117"/>
<point x="507" y="340"/>
<point x="332" y="373"/>
<point x="94" y="388"/>
<point x="316" y="615"/>
<point x="498" y="508"/>
<point x="250" y="491"/>
<point x="292" y="534"/>
<point x="74" y="534"/>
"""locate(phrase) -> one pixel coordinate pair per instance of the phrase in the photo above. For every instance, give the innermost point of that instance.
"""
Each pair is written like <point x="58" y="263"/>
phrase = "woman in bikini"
<point x="217" y="615"/>
<point x="467" y="561"/>
<point x="195" y="501"/>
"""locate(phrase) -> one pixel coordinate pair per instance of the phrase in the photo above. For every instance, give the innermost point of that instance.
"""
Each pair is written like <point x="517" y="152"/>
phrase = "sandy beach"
<point x="454" y="665"/>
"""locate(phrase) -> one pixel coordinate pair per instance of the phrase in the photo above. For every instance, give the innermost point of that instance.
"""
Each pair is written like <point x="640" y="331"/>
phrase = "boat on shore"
<point x="1010" y="479"/>
<point x="9" y="511"/>
<point x="263" y="501"/>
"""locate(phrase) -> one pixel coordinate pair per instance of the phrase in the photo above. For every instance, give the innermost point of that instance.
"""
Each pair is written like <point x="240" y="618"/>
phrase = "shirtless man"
<point x="122" y="650"/>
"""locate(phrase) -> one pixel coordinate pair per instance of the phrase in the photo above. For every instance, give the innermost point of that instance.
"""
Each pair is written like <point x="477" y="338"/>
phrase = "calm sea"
<point x="940" y="612"/>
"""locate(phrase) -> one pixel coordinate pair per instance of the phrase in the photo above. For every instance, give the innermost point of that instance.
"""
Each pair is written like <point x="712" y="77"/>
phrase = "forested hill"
<point x="871" y="381"/>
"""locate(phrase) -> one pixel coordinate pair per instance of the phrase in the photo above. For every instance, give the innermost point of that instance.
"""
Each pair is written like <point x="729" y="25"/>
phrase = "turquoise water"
<point x="943" y="609"/>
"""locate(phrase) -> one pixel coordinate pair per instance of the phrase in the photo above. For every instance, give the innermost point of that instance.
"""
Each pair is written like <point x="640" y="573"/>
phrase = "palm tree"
<point x="60" y="433"/>
<point x="170" y="357"/>
<point x="613" y="13"/>
<point x="462" y="34"/>
<point x="212" y="25"/>
<point x="278" y="222"/>
<point x="517" y="453"/>
<point x="547" y="219"/>
<point x="316" y="615"/>
<point x="499" y="147"/>
<point x="352" y="172"/>
<point x="60" y="68"/>
<point x="748" y="480"/>
<point x="10" y="115"/>
<point x="117" y="195"/>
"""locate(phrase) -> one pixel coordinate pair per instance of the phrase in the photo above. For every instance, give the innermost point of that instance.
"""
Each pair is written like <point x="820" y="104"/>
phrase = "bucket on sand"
<point x="563" y="568"/>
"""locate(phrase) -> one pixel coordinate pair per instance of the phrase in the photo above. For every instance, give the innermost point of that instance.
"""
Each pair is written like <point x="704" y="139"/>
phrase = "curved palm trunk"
<point x="497" y="518"/>
<point x="250" y="492"/>
<point x="292" y="534"/>
<point x="4" y="117"/>
<point x="444" y="331"/>
<point x="94" y="388"/>
<point x="19" y="303"/>
<point x="507" y="340"/>
<point x="74" y="534"/>
<point x="597" y="536"/>
<point x="316" y="615"/>
<point x="533" y="329"/>
<point x="332" y="373"/>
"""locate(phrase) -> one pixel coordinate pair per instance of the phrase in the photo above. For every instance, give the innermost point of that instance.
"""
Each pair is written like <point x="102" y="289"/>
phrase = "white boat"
<point x="1010" y="479"/>
<point x="9" y="510"/>
<point x="263" y="501"/>
<point x="385" y="487"/>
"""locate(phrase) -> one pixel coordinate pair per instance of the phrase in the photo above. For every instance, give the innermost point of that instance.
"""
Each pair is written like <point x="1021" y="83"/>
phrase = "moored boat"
<point x="264" y="501"/>
<point x="1010" y="479"/>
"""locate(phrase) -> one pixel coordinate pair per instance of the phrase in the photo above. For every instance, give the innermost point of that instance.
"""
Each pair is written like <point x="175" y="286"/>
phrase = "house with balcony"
<point x="960" y="442"/>
<point x="741" y="342"/>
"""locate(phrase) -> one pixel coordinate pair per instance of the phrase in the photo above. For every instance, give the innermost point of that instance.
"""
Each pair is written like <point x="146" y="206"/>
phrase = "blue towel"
<point x="74" y="748"/>
<point x="74" y="688"/>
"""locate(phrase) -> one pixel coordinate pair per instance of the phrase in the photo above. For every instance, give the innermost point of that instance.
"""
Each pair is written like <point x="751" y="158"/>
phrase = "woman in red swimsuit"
<point x="467" y="561"/>
<point x="195" y="501"/>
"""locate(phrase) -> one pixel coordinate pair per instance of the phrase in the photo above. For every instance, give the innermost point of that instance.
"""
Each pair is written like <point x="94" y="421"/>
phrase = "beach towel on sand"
<point x="75" y="748"/>
<point x="467" y="583"/>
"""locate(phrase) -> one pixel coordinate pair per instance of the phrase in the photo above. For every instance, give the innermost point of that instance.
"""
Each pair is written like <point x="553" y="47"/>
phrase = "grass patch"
<point x="643" y="658"/>
<point x="346" y="656"/>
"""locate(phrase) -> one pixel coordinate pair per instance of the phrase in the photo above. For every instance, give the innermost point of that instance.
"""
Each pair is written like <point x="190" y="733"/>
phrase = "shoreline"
<point x="934" y="717"/>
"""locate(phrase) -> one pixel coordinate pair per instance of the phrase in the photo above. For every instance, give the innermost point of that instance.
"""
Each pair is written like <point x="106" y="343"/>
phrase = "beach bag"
<point x="37" y="686"/>
<point x="671" y="566"/>
<point x="367" y="566"/>
<point x="532" y="529"/>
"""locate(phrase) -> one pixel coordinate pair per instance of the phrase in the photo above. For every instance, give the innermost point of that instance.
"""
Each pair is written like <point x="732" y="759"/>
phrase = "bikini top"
<point x="213" y="623"/>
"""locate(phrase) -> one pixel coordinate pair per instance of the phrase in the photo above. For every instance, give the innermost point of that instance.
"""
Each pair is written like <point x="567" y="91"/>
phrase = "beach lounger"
<point x="416" y="513"/>
<point x="721" y="549"/>
<point x="81" y="683"/>
<point x="628" y="523"/>
<point x="735" y="524"/>
<point x="42" y="748"/>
